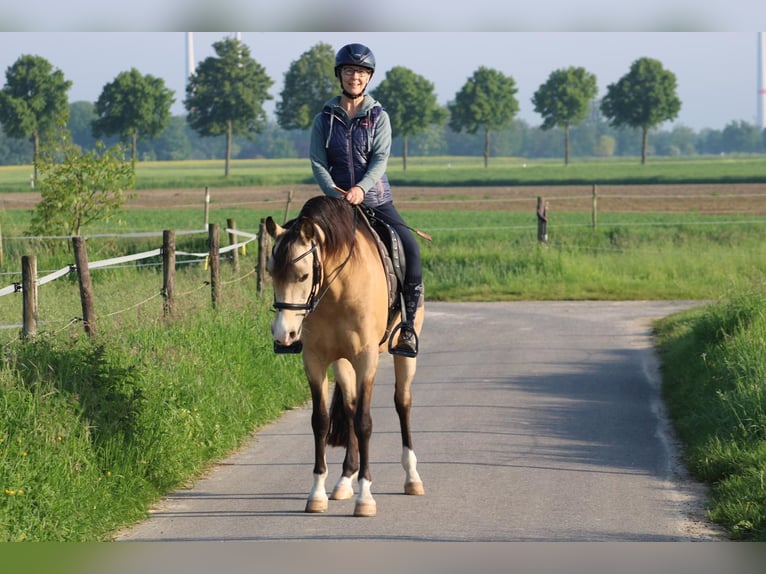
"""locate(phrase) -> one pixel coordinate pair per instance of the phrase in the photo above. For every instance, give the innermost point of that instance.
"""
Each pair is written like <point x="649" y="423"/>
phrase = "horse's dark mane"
<point x="334" y="216"/>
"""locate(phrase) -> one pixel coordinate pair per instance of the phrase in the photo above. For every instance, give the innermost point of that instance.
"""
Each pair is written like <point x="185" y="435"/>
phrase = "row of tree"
<point x="225" y="97"/>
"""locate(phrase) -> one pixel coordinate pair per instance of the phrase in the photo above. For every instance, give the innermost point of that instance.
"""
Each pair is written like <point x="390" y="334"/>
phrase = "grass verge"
<point x="714" y="381"/>
<point x="92" y="431"/>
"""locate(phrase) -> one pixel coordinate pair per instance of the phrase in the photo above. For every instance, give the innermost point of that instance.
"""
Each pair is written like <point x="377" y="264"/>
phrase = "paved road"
<point x="533" y="421"/>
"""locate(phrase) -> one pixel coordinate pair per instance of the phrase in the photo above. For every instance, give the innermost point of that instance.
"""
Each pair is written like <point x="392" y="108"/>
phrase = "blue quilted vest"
<point x="348" y="144"/>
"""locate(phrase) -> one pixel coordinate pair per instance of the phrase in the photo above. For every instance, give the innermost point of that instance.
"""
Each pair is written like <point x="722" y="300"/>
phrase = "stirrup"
<point x="401" y="350"/>
<point x="293" y="349"/>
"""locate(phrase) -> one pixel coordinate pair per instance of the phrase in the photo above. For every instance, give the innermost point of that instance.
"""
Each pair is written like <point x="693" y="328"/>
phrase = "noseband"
<point x="313" y="299"/>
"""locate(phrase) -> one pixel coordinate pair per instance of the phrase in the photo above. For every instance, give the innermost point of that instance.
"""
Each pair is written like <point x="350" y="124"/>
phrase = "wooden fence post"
<point x="86" y="288"/>
<point x="232" y="224"/>
<point x="594" y="216"/>
<point x="29" y="295"/>
<point x="542" y="220"/>
<point x="287" y="205"/>
<point x="215" y="267"/>
<point x="263" y="250"/>
<point x="168" y="270"/>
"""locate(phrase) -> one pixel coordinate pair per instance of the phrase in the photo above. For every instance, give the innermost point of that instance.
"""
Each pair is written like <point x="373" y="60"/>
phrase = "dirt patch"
<point x="707" y="198"/>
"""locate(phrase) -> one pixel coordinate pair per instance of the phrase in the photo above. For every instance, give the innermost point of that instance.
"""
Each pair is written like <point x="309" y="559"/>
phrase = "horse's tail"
<point x="338" y="433"/>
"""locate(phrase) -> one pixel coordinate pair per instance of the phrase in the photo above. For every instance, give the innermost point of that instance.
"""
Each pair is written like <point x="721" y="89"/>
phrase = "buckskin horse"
<point x="332" y="299"/>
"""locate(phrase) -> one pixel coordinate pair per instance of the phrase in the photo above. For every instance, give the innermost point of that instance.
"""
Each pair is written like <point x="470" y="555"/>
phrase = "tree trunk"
<point x="134" y="145"/>
<point x="228" y="147"/>
<point x="566" y="144"/>
<point x="404" y="153"/>
<point x="644" y="144"/>
<point x="486" y="147"/>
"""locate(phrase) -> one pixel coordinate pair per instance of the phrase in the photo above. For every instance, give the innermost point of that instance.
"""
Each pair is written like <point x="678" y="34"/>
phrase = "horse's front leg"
<point x="365" y="503"/>
<point x="320" y="423"/>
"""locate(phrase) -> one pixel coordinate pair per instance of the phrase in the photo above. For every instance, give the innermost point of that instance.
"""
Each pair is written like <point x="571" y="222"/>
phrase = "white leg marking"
<point x="317" y="501"/>
<point x="412" y="484"/>
<point x="365" y="503"/>
<point x="344" y="488"/>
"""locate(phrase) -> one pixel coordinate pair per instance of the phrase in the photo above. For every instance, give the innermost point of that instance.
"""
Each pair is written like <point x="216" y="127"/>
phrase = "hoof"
<point x="365" y="509"/>
<point x="342" y="492"/>
<point x="414" y="489"/>
<point x="315" y="506"/>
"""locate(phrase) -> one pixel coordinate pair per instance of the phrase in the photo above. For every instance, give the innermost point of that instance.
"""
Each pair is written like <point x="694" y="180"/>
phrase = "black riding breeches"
<point x="414" y="271"/>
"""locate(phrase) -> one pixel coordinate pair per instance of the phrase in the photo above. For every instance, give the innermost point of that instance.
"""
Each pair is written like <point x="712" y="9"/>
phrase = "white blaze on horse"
<point x="332" y="301"/>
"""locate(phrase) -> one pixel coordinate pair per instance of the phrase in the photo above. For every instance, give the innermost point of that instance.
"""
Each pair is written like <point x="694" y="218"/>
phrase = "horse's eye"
<point x="303" y="277"/>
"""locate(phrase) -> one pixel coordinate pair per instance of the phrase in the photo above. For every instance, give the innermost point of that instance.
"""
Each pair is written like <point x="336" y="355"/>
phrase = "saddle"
<point x="394" y="263"/>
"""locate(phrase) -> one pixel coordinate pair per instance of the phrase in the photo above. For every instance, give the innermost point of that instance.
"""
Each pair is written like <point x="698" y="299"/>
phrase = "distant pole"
<point x="207" y="205"/>
<point x="542" y="220"/>
<point x="594" y="214"/>
<point x="761" y="63"/>
<point x="190" y="63"/>
<point x="231" y="223"/>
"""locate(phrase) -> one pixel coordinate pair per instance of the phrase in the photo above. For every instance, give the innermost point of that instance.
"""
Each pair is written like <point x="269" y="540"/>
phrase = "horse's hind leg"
<point x="404" y="369"/>
<point x="342" y="428"/>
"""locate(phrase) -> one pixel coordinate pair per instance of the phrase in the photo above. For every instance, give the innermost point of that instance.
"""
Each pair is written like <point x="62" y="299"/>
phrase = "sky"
<point x="715" y="63"/>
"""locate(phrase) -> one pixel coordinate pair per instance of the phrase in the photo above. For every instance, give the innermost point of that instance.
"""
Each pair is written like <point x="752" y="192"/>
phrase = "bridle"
<point x="315" y="296"/>
<point x="316" y="279"/>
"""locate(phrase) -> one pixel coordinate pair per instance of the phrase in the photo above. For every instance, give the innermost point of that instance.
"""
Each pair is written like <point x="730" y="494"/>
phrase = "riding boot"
<point x="408" y="339"/>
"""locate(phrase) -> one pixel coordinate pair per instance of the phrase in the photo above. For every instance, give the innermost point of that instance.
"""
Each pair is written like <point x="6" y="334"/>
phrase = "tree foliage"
<point x="486" y="101"/>
<point x="33" y="101"/>
<point x="309" y="83"/>
<point x="643" y="98"/>
<point x="79" y="187"/>
<point x="133" y="106"/>
<point x="564" y="100"/>
<point x="225" y="95"/>
<point x="411" y="104"/>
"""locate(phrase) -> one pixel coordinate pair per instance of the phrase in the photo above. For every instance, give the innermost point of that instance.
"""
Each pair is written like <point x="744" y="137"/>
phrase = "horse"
<point x="331" y="299"/>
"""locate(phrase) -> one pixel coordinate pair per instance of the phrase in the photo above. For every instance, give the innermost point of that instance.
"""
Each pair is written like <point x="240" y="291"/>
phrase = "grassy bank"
<point x="93" y="431"/>
<point x="714" y="373"/>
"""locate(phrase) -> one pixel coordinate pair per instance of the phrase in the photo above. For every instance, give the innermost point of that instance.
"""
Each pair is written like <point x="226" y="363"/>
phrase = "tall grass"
<point x="714" y="372"/>
<point x="93" y="430"/>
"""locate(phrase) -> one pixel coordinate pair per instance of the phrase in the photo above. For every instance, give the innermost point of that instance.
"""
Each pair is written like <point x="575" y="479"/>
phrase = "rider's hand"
<point x="355" y="195"/>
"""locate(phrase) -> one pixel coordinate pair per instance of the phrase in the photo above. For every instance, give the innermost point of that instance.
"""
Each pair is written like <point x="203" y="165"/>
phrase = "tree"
<point x="79" y="187"/>
<point x="226" y="94"/>
<point x="33" y="101"/>
<point x="563" y="100"/>
<point x="488" y="101"/>
<point x="643" y="98"/>
<point x="309" y="83"/>
<point x="133" y="106"/>
<point x="411" y="104"/>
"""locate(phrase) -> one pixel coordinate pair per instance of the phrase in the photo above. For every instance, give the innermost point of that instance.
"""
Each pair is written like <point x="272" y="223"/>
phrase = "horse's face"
<point x="294" y="276"/>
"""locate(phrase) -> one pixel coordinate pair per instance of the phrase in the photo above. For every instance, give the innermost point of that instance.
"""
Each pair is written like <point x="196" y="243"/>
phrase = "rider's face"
<point x="355" y="79"/>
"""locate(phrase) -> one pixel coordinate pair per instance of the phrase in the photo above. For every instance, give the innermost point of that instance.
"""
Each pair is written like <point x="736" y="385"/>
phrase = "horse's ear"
<point x="273" y="228"/>
<point x="307" y="229"/>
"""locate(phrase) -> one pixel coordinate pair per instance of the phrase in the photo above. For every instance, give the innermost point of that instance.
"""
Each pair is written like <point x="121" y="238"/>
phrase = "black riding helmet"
<point x="354" y="55"/>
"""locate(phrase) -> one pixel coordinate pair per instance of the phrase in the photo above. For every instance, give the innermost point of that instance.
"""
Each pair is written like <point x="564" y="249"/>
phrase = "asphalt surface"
<point x="533" y="421"/>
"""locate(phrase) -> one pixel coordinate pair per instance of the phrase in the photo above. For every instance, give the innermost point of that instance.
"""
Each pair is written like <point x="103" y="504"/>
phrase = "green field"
<point x="440" y="171"/>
